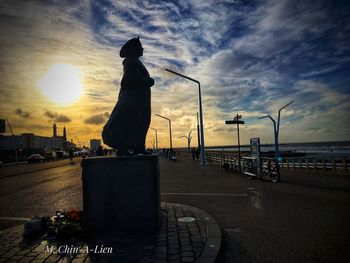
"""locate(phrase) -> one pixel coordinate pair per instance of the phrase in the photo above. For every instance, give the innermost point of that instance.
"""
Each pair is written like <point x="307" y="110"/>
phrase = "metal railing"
<point x="332" y="164"/>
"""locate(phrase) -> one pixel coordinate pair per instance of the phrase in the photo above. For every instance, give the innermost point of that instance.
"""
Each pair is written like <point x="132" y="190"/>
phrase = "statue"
<point x="128" y="124"/>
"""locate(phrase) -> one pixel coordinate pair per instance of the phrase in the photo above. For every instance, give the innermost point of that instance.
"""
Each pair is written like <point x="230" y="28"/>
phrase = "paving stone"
<point x="26" y="260"/>
<point x="160" y="256"/>
<point x="78" y="260"/>
<point x="187" y="259"/>
<point x="173" y="251"/>
<point x="186" y="248"/>
<point x="187" y="254"/>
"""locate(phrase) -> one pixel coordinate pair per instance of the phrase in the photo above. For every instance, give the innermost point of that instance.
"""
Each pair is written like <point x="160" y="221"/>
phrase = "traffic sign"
<point x="234" y="122"/>
<point x="237" y="117"/>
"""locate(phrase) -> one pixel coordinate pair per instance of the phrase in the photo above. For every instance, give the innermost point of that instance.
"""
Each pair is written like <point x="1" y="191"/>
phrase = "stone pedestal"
<point x="121" y="194"/>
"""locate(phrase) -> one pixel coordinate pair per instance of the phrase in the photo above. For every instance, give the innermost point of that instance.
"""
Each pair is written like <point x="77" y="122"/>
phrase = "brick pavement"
<point x="189" y="241"/>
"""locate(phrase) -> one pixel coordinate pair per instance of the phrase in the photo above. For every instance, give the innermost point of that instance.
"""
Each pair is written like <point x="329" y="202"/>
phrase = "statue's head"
<point x="132" y="48"/>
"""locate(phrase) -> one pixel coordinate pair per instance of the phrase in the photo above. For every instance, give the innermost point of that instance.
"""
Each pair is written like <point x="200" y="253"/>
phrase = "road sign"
<point x="237" y="117"/>
<point x="2" y="126"/>
<point x="234" y="122"/>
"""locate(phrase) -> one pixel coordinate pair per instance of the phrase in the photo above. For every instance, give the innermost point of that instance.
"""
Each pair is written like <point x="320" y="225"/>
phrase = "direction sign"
<point x="234" y="122"/>
<point x="237" y="117"/>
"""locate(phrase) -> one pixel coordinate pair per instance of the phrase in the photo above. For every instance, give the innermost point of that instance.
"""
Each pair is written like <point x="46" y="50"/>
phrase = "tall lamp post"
<point x="276" y="128"/>
<point x="198" y="136"/>
<point x="171" y="140"/>
<point x="189" y="138"/>
<point x="203" y="161"/>
<point x="156" y="137"/>
<point x="14" y="140"/>
<point x="236" y="120"/>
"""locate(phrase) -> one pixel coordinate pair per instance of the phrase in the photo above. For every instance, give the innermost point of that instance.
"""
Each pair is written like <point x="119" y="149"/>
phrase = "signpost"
<point x="236" y="120"/>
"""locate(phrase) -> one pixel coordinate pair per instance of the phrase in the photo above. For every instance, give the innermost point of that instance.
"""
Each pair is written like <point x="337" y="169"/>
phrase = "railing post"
<point x="323" y="164"/>
<point x="344" y="165"/>
<point x="315" y="164"/>
<point x="334" y="168"/>
<point x="307" y="164"/>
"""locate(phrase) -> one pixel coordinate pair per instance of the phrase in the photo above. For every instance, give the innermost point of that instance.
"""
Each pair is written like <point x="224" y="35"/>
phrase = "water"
<point x="315" y="148"/>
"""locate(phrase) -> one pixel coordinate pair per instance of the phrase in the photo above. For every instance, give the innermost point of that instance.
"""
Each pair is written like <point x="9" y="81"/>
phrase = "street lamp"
<point x="276" y="128"/>
<point x="203" y="161"/>
<point x="156" y="137"/>
<point x="14" y="140"/>
<point x="198" y="136"/>
<point x="171" y="140"/>
<point x="189" y="138"/>
<point x="236" y="120"/>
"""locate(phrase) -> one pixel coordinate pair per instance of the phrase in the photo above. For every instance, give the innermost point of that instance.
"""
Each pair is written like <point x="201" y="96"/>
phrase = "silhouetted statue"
<point x="128" y="124"/>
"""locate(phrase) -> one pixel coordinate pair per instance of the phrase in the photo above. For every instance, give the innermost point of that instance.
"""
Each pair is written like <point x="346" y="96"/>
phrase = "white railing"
<point x="334" y="164"/>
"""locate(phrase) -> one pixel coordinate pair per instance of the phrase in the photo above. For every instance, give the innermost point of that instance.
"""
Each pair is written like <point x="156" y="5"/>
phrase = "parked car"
<point x="35" y="158"/>
<point x="62" y="154"/>
<point x="50" y="155"/>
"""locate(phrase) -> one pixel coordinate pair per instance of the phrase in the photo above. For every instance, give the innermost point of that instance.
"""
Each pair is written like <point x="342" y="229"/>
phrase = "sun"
<point x="61" y="84"/>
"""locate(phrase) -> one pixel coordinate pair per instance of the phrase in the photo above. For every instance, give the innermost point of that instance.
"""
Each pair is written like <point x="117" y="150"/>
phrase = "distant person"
<point x="71" y="154"/>
<point x="100" y="151"/>
<point x="197" y="154"/>
<point x="128" y="124"/>
<point x="193" y="154"/>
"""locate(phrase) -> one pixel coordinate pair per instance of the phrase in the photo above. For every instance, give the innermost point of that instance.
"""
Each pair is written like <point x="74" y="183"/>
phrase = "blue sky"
<point x="251" y="57"/>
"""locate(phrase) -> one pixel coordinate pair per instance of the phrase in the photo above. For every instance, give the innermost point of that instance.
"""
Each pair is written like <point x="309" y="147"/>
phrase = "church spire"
<point x="54" y="130"/>
<point x="64" y="133"/>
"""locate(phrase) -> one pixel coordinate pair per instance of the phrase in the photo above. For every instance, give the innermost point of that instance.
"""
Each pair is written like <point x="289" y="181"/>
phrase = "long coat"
<point x="130" y="119"/>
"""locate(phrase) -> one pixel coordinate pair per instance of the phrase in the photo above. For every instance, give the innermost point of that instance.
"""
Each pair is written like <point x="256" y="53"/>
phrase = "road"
<point x="305" y="218"/>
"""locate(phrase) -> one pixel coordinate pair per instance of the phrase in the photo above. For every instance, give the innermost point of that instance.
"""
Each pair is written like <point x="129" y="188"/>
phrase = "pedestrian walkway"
<point x="186" y="234"/>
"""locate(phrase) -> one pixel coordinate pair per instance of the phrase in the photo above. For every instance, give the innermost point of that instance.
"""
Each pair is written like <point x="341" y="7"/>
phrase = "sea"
<point x="338" y="148"/>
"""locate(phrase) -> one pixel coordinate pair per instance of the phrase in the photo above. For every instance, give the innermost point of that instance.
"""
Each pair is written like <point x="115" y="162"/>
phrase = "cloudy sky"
<point x="251" y="57"/>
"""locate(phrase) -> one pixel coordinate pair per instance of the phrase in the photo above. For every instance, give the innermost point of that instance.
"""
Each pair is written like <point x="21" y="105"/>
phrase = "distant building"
<point x="95" y="143"/>
<point x="29" y="141"/>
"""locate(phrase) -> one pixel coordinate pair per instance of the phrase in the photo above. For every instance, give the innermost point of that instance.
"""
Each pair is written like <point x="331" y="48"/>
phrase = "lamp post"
<point x="198" y="136"/>
<point x="189" y="138"/>
<point x="276" y="128"/>
<point x="171" y="140"/>
<point x="203" y="161"/>
<point x="236" y="120"/>
<point x="156" y="137"/>
<point x="14" y="140"/>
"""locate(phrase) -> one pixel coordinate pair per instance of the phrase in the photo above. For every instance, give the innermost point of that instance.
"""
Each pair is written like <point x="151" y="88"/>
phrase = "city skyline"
<point x="59" y="64"/>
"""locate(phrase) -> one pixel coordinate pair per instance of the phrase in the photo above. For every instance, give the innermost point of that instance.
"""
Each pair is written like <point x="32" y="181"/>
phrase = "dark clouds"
<point x="22" y="113"/>
<point x="97" y="119"/>
<point x="56" y="117"/>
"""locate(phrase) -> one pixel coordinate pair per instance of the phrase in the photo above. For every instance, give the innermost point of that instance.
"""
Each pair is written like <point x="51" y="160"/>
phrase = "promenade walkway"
<point x="302" y="219"/>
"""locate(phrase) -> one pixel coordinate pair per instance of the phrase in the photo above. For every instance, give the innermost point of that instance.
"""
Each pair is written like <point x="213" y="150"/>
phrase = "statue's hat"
<point x="129" y="46"/>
